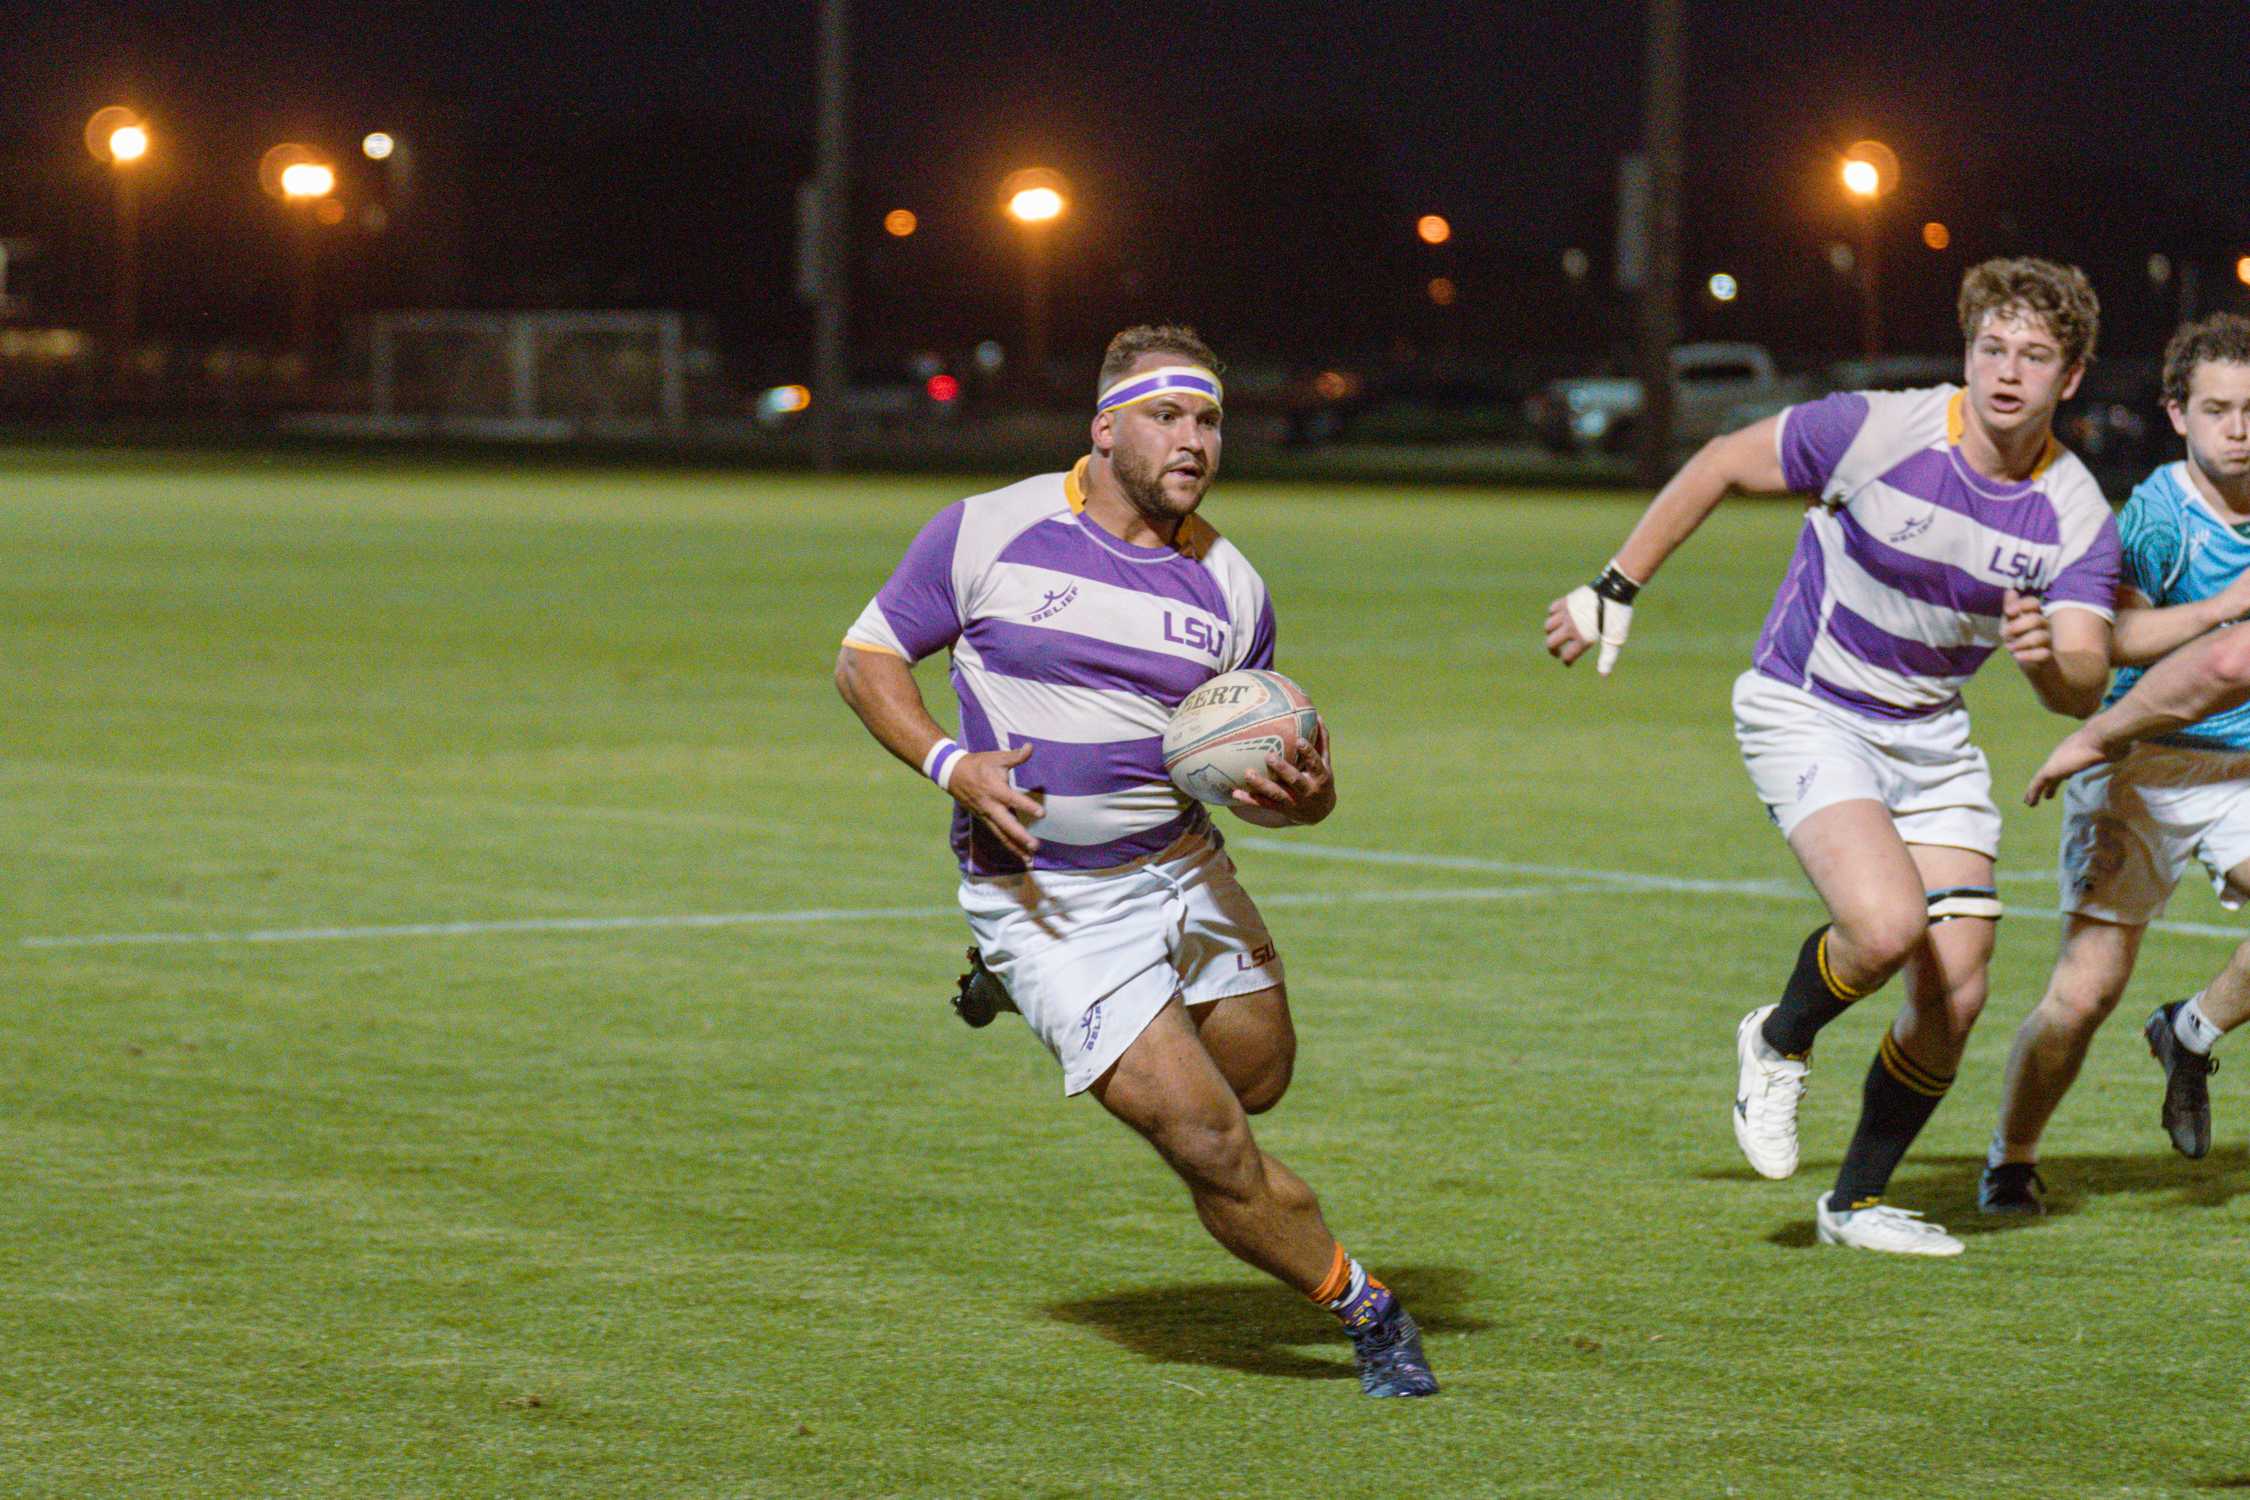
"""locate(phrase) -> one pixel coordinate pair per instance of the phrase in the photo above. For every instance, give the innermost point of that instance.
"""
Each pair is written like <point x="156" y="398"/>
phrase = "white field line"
<point x="1622" y="881"/>
<point x="1563" y="872"/>
<point x="1565" y="880"/>
<point x="728" y="919"/>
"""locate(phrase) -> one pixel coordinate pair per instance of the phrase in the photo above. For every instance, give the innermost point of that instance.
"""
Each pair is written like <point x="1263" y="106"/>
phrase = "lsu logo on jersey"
<point x="1196" y="633"/>
<point x="2025" y="571"/>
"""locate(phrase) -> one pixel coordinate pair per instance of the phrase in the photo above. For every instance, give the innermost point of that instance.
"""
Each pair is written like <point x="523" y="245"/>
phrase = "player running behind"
<point x="1943" y="523"/>
<point x="2131" y="829"/>
<point x="1080" y="609"/>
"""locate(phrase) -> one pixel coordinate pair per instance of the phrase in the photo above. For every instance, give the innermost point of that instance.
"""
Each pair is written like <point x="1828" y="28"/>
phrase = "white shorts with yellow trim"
<point x="1804" y="755"/>
<point x="2130" y="831"/>
<point x="1091" y="958"/>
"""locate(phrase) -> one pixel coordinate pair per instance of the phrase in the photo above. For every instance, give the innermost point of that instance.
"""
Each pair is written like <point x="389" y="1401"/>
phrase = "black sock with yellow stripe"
<point x="1814" y="997"/>
<point x="1898" y="1101"/>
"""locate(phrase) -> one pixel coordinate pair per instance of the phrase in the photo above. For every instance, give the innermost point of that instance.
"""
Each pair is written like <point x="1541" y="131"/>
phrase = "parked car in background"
<point x="1711" y="384"/>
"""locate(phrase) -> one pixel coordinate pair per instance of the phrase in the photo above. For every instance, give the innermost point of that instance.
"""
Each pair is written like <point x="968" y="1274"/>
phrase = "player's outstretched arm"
<point x="2194" y="682"/>
<point x="2065" y="656"/>
<point x="2145" y="633"/>
<point x="1748" y="460"/>
<point x="881" y="689"/>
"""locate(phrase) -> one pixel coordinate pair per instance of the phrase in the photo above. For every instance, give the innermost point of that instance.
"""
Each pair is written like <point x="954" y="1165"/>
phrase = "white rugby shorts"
<point x="2130" y="830"/>
<point x="1091" y="958"/>
<point x="1804" y="755"/>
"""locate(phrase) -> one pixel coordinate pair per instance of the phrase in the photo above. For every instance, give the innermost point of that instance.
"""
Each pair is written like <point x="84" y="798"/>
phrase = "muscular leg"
<point x="1254" y="1043"/>
<point x="1868" y="879"/>
<point x="1946" y="976"/>
<point x="1170" y="1089"/>
<point x="2091" y="971"/>
<point x="1855" y="859"/>
<point x="2226" y="1000"/>
<point x="1916" y="1061"/>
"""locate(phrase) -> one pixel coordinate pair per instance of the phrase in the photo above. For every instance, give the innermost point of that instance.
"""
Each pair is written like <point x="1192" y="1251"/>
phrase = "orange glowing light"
<point x="1443" y="291"/>
<point x="308" y="179"/>
<point x="900" y="222"/>
<point x="1432" y="229"/>
<point x="1936" y="235"/>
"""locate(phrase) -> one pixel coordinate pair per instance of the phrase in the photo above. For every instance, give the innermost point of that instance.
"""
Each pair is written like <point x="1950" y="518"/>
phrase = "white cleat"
<point x="1901" y="1231"/>
<point x="1766" y="1090"/>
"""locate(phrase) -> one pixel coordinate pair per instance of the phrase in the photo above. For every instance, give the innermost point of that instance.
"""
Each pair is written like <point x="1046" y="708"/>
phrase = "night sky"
<point x="1254" y="167"/>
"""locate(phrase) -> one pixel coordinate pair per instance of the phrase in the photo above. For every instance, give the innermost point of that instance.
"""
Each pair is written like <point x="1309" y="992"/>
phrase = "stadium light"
<point x="900" y="222"/>
<point x="1723" y="288"/>
<point x="1432" y="229"/>
<point x="120" y="137"/>
<point x="1035" y="205"/>
<point x="106" y="125"/>
<point x="2242" y="270"/>
<point x="378" y="146"/>
<point x="1936" y="235"/>
<point x="1035" y="198"/>
<point x="298" y="176"/>
<point x="307" y="179"/>
<point x="1443" y="291"/>
<point x="1870" y="170"/>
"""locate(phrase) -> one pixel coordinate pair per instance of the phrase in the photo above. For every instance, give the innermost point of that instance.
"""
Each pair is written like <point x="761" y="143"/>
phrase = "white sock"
<point x="2195" y="1029"/>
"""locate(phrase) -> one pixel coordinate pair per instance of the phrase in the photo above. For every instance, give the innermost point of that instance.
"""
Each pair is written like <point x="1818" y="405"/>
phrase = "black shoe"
<point x="1391" y="1362"/>
<point x="2187" y="1088"/>
<point x="2013" y="1187"/>
<point x="982" y="996"/>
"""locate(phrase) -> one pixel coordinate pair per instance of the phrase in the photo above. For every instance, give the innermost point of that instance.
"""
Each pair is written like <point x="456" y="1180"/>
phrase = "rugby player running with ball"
<point x="1080" y="609"/>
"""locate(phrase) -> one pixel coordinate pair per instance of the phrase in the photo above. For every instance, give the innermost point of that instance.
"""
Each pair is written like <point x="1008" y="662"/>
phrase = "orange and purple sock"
<point x="1357" y="1299"/>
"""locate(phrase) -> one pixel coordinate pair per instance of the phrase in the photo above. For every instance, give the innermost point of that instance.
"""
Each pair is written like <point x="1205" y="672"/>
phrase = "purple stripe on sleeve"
<point x="1920" y="578"/>
<point x="1059" y="656"/>
<point x="1064" y="547"/>
<point x="1873" y="708"/>
<point x="1062" y="768"/>
<point x="1815" y="437"/>
<point x="1260" y="651"/>
<point x="1786" y="643"/>
<point x="2027" y="515"/>
<point x="917" y="600"/>
<point x="2091" y="577"/>
<point x="1895" y="653"/>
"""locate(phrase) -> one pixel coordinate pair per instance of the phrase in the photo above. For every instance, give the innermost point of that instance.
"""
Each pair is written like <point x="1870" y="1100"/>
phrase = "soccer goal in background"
<point x="527" y="375"/>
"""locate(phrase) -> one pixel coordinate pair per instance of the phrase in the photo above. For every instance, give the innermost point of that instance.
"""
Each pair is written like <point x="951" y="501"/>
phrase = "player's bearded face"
<point x="1165" y="455"/>
<point x="2016" y="375"/>
<point x="2216" y="419"/>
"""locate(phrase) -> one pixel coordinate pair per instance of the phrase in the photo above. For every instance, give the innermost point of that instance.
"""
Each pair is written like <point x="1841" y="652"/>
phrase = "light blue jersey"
<point x="2178" y="551"/>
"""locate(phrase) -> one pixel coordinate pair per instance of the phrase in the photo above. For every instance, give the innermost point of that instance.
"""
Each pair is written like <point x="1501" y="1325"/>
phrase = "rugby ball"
<point x="1226" y="728"/>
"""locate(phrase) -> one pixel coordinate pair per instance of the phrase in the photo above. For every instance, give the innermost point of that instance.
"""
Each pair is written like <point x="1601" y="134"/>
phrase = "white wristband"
<point x="939" y="763"/>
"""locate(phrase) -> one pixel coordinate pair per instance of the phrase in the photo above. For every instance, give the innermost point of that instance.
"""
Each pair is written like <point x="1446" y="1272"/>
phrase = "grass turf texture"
<point x="742" y="1210"/>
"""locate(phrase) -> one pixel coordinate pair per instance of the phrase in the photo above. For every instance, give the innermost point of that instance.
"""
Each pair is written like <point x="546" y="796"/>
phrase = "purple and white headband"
<point x="1150" y="384"/>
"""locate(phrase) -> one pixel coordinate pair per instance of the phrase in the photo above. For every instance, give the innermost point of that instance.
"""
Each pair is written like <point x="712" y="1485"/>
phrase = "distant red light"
<point x="943" y="388"/>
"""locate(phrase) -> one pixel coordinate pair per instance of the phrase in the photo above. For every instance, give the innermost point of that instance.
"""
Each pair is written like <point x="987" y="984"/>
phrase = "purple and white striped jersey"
<point x="1893" y="597"/>
<point x="1078" y="644"/>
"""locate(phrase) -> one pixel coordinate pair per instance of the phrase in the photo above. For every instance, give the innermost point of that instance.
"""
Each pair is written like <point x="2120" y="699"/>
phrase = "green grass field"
<point x="738" y="1209"/>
